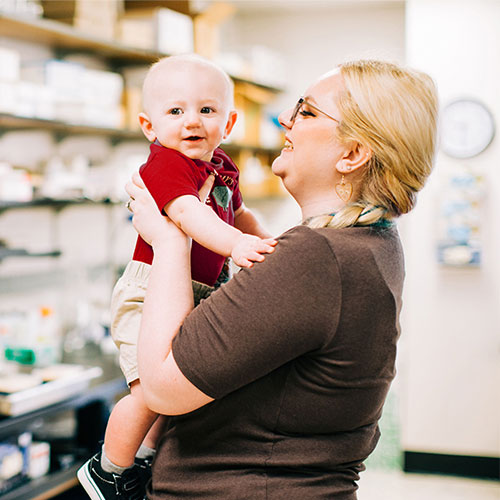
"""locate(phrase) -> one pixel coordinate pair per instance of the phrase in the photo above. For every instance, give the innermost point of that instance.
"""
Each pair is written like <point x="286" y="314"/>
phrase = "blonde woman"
<point x="275" y="384"/>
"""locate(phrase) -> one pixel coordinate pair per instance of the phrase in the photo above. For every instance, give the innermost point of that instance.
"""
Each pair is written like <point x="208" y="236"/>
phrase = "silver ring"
<point x="129" y="201"/>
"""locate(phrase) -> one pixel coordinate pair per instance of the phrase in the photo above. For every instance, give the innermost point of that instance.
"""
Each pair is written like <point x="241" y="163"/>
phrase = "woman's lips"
<point x="288" y="145"/>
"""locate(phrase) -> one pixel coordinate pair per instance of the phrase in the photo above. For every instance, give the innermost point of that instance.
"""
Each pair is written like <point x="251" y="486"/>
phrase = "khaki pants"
<point x="126" y="310"/>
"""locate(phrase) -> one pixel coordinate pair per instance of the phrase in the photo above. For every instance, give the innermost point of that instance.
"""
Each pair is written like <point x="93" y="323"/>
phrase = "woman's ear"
<point x="147" y="127"/>
<point x="231" y="120"/>
<point x="355" y="157"/>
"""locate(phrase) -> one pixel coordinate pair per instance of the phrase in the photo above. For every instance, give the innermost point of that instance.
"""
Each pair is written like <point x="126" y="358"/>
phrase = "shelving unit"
<point x="64" y="38"/>
<point x="12" y="122"/>
<point x="49" y="202"/>
<point x="91" y="406"/>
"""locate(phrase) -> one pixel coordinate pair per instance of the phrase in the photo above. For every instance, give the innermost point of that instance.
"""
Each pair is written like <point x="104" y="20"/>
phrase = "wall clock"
<point x="467" y="128"/>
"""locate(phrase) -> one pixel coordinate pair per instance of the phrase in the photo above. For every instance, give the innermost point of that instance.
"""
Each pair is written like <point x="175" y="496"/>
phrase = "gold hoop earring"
<point x="344" y="190"/>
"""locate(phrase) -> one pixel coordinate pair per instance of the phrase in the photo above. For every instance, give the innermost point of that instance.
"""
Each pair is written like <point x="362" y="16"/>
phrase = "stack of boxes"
<point x="157" y="29"/>
<point x="93" y="17"/>
<point x="68" y="91"/>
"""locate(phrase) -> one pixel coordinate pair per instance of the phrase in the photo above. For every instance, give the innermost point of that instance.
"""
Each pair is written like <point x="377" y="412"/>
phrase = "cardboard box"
<point x="137" y="32"/>
<point x="94" y="17"/>
<point x="164" y="30"/>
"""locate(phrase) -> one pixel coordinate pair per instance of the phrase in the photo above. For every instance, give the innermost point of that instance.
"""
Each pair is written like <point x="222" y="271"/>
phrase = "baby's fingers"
<point x="264" y="247"/>
<point x="270" y="241"/>
<point x="243" y="262"/>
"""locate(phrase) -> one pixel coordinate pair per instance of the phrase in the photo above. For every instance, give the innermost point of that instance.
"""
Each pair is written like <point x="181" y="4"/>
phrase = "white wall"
<point x="313" y="40"/>
<point x="450" y="356"/>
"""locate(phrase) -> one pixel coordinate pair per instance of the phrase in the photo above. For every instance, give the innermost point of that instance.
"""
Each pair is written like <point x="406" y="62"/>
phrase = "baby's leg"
<point x="128" y="424"/>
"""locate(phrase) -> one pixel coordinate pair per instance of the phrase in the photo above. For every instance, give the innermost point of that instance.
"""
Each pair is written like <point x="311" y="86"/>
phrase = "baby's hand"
<point x="249" y="249"/>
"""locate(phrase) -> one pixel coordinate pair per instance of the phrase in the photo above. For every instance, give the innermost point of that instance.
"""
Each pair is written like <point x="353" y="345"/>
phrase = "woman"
<point x="277" y="381"/>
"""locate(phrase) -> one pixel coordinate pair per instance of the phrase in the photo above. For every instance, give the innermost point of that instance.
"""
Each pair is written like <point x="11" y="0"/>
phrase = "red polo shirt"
<point x="169" y="174"/>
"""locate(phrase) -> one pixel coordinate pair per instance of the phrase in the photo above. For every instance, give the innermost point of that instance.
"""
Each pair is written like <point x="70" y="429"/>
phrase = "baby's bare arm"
<point x="202" y="224"/>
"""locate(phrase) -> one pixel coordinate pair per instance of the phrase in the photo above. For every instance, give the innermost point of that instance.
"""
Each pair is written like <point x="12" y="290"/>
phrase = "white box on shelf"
<point x="68" y="109"/>
<point x="15" y="185"/>
<point x="7" y="97"/>
<point x="45" y="103"/>
<point x="26" y="98"/>
<point x="39" y="459"/>
<point x="103" y="116"/>
<point x="102" y="87"/>
<point x="174" y="32"/>
<point x="65" y="77"/>
<point x="10" y="62"/>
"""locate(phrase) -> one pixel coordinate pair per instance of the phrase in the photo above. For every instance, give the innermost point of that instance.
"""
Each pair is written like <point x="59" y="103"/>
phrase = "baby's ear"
<point x="147" y="127"/>
<point x="231" y="120"/>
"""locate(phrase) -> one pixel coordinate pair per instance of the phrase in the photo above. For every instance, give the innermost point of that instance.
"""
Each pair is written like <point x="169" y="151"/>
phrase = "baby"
<point x="188" y="111"/>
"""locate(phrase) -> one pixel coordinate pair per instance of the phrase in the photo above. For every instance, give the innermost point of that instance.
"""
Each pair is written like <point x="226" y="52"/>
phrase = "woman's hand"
<point x="147" y="219"/>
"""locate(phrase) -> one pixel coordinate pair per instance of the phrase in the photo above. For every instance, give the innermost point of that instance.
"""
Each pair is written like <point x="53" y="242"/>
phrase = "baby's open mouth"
<point x="193" y="138"/>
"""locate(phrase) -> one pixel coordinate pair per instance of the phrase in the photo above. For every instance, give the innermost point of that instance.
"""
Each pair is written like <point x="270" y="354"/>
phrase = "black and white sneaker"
<point x="102" y="485"/>
<point x="143" y="468"/>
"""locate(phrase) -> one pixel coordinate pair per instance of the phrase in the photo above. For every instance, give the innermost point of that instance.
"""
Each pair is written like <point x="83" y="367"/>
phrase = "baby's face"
<point x="189" y="109"/>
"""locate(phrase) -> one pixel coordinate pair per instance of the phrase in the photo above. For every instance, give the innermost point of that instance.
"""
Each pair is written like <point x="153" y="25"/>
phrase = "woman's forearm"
<point x="169" y="299"/>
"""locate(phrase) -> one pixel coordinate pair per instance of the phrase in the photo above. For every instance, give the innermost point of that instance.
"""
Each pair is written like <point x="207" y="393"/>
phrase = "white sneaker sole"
<point x="88" y="483"/>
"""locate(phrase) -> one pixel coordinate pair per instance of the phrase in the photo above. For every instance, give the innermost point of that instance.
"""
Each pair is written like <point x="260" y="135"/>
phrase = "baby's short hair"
<point x="194" y="59"/>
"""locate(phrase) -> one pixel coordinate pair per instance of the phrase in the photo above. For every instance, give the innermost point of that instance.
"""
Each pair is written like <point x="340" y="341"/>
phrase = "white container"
<point x="174" y="32"/>
<point x="10" y="62"/>
<point x="38" y="459"/>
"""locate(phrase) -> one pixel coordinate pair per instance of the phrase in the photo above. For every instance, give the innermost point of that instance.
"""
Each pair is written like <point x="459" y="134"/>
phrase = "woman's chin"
<point x="278" y="167"/>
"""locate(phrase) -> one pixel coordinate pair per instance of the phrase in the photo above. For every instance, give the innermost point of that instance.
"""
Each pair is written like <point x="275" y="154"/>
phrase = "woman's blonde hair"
<point x="393" y="111"/>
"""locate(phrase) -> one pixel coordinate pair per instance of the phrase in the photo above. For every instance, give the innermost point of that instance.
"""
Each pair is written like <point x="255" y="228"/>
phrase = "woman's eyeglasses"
<point x="299" y="105"/>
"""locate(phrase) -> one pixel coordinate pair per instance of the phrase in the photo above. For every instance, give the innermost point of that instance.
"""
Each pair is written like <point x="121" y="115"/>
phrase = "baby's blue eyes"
<point x="178" y="111"/>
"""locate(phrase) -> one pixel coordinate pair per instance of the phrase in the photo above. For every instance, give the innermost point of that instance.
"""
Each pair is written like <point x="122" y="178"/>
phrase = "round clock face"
<point x="467" y="128"/>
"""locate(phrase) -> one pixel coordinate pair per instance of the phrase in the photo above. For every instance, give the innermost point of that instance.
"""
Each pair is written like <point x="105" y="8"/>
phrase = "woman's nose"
<point x="284" y="118"/>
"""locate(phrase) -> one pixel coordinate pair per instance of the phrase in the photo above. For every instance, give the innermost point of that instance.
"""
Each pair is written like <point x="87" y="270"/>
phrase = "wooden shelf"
<point x="65" y="37"/>
<point x="102" y="391"/>
<point x="47" y="486"/>
<point x="62" y="36"/>
<point x="51" y="203"/>
<point x="10" y="122"/>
